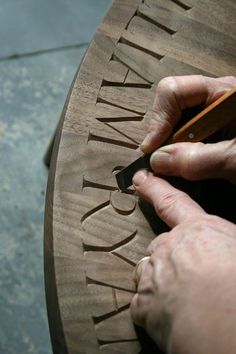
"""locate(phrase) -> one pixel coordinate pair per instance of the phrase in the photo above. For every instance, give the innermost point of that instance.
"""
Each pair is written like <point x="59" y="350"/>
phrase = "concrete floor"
<point x="34" y="81"/>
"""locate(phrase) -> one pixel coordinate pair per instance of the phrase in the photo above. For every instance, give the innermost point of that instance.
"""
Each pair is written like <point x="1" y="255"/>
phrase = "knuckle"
<point x="196" y="161"/>
<point x="188" y="162"/>
<point x="168" y="84"/>
<point x="227" y="163"/>
<point x="231" y="80"/>
<point x="202" y="226"/>
<point x="231" y="153"/>
<point x="166" y="205"/>
<point x="159" y="241"/>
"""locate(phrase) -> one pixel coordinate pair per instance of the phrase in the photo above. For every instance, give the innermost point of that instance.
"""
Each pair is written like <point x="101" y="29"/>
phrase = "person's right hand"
<point x="186" y="294"/>
<point x="193" y="161"/>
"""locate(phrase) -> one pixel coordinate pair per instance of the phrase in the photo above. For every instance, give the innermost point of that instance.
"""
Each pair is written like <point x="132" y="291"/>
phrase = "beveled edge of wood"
<point x="52" y="303"/>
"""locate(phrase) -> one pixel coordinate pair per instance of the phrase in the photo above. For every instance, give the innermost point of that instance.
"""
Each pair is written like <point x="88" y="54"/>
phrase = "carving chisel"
<point x="213" y="118"/>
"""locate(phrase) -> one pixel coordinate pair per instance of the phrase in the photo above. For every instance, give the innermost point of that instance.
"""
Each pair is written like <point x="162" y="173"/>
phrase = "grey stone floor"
<point x="34" y="81"/>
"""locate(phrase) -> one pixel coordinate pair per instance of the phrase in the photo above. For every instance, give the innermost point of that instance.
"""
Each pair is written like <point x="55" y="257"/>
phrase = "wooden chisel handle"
<point x="213" y="118"/>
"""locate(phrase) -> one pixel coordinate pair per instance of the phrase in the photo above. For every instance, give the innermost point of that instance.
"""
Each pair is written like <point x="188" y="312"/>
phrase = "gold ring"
<point x="135" y="273"/>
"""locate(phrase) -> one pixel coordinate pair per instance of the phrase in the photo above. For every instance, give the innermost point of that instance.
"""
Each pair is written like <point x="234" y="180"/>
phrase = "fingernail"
<point x="146" y="142"/>
<point x="161" y="159"/>
<point x="139" y="177"/>
<point x="138" y="269"/>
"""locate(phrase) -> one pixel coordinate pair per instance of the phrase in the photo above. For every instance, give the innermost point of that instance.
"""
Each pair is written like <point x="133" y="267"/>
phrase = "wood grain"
<point x="94" y="235"/>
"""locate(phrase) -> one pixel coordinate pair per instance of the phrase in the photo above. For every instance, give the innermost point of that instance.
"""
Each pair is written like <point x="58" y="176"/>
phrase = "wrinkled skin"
<point x="189" y="160"/>
<point x="186" y="291"/>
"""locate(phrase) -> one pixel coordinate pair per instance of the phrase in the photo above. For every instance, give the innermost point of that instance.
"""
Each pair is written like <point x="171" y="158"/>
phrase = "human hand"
<point x="187" y="287"/>
<point x="189" y="160"/>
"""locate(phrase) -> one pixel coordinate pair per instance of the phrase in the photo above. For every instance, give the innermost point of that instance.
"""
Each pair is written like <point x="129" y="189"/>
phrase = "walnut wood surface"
<point x="94" y="235"/>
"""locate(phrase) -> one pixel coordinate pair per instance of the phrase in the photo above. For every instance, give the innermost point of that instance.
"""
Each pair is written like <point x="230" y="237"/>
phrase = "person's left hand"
<point x="187" y="286"/>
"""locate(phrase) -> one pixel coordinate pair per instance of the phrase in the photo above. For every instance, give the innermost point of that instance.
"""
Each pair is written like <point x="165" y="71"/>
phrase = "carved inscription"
<point x="99" y="232"/>
<point x="112" y="234"/>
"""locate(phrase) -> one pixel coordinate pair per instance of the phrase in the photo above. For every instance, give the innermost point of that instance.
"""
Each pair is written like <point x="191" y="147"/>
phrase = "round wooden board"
<point x="94" y="235"/>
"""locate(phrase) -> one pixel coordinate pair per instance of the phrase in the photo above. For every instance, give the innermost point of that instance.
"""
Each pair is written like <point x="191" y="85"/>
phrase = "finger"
<point x="137" y="315"/>
<point x="141" y="301"/>
<point x="139" y="268"/>
<point x="148" y="305"/>
<point x="195" y="161"/>
<point x="175" y="94"/>
<point x="171" y="205"/>
<point x="139" y="310"/>
<point x="218" y="87"/>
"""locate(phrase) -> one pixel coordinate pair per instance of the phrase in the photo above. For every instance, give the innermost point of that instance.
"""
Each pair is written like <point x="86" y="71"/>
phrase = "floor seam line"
<point x="43" y="51"/>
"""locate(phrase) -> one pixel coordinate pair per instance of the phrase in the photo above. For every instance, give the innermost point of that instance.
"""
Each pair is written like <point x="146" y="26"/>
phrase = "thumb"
<point x="195" y="161"/>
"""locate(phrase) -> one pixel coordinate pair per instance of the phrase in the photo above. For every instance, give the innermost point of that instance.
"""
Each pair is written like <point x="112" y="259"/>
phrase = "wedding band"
<point x="135" y="273"/>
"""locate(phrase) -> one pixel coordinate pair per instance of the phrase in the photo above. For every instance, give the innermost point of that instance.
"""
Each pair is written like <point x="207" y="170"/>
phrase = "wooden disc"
<point x="95" y="235"/>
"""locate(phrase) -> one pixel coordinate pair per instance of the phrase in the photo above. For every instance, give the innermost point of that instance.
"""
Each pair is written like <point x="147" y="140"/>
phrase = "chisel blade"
<point x="125" y="176"/>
